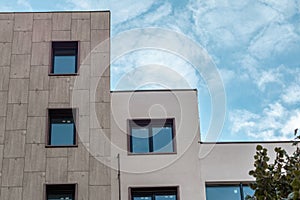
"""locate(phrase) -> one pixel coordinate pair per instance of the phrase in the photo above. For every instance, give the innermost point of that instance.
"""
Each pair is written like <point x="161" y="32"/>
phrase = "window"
<point x="228" y="192"/>
<point x="151" y="136"/>
<point x="62" y="127"/>
<point x="60" y="192"/>
<point x="154" y="193"/>
<point x="64" y="57"/>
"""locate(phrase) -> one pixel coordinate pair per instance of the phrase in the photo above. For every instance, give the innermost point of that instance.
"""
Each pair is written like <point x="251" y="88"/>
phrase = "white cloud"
<point x="276" y="38"/>
<point x="128" y="9"/>
<point x="250" y="33"/>
<point x="237" y="20"/>
<point x="16" y="6"/>
<point x="242" y="119"/>
<point x="162" y="11"/>
<point x="292" y="123"/>
<point x="121" y="10"/>
<point x="274" y="110"/>
<point x="152" y="77"/>
<point x="261" y="77"/>
<point x="286" y="7"/>
<point x="82" y="4"/>
<point x="275" y="123"/>
<point x="266" y="77"/>
<point x="174" y="70"/>
<point x="227" y="75"/>
<point x="292" y="94"/>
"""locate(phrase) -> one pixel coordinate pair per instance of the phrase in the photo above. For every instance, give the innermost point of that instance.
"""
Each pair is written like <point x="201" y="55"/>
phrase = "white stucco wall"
<point x="181" y="169"/>
<point x="230" y="162"/>
<point x="193" y="165"/>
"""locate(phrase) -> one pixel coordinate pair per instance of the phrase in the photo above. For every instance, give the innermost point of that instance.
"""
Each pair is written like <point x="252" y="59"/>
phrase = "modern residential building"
<point x="64" y="135"/>
<point x="50" y="65"/>
<point x="156" y="135"/>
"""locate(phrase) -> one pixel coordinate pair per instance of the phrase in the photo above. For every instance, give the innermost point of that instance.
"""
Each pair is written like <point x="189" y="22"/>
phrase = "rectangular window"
<point x="64" y="57"/>
<point x="154" y="193"/>
<point x="60" y="192"/>
<point x="228" y="192"/>
<point x="62" y="127"/>
<point x="152" y="136"/>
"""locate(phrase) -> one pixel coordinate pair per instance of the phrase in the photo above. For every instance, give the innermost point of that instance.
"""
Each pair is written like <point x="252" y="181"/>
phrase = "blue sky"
<point x="255" y="45"/>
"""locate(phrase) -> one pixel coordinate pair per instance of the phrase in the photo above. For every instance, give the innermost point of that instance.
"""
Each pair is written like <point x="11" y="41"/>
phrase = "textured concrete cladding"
<point x="27" y="91"/>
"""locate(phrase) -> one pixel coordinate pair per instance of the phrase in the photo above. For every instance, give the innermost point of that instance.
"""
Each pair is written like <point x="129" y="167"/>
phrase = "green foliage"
<point x="279" y="180"/>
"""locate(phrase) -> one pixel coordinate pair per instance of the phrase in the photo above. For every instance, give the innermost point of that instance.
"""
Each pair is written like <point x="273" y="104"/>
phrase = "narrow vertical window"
<point x="62" y="127"/>
<point x="64" y="58"/>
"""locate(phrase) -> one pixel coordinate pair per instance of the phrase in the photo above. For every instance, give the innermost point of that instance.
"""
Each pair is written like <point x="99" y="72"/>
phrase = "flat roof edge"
<point x="154" y="90"/>
<point x="61" y="11"/>
<point x="249" y="142"/>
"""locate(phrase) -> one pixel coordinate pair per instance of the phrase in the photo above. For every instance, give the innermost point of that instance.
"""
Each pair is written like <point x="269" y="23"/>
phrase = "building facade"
<point x="156" y="135"/>
<point x="64" y="135"/>
<point x="187" y="168"/>
<point x="51" y="64"/>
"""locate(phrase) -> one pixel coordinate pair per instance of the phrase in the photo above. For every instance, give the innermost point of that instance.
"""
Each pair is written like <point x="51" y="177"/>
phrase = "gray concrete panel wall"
<point x="27" y="91"/>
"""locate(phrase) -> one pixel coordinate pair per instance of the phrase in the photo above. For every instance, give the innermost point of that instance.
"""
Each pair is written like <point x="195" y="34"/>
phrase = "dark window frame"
<point x="64" y="45"/>
<point x="228" y="184"/>
<point x="152" y="191"/>
<point x="62" y="112"/>
<point x="65" y="187"/>
<point x="140" y="122"/>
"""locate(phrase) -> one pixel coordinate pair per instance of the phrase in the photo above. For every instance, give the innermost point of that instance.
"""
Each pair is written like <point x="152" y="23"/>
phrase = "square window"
<point x="168" y="193"/>
<point x="151" y="136"/>
<point x="64" y="57"/>
<point x="60" y="192"/>
<point x="62" y="127"/>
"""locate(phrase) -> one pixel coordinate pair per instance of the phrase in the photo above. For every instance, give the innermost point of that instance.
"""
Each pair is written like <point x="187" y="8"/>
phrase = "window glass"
<point x="64" y="64"/>
<point x="62" y="131"/>
<point x="64" y="57"/>
<point x="140" y="140"/>
<point x="60" y="197"/>
<point x="247" y="191"/>
<point x="153" y="135"/>
<point x="143" y="198"/>
<point x="154" y="193"/>
<point x="165" y="197"/>
<point x="223" y="192"/>
<point x="162" y="139"/>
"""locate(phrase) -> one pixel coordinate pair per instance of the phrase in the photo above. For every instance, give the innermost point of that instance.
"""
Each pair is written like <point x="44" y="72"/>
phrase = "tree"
<point x="279" y="180"/>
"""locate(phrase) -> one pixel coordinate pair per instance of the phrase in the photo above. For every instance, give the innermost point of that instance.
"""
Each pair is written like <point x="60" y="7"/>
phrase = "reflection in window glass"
<point x="60" y="197"/>
<point x="247" y="191"/>
<point x="228" y="192"/>
<point x="162" y="139"/>
<point x="64" y="64"/>
<point x="62" y="131"/>
<point x="153" y="135"/>
<point x="165" y="197"/>
<point x="143" y="198"/>
<point x="140" y="140"/>
<point x="223" y="192"/>
<point x="154" y="193"/>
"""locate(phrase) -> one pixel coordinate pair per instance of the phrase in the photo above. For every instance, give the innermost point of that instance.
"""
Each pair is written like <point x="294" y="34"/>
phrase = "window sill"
<point x="61" y="146"/>
<point x="72" y="74"/>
